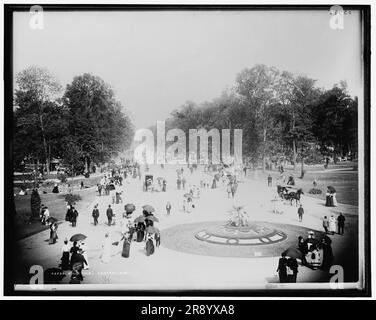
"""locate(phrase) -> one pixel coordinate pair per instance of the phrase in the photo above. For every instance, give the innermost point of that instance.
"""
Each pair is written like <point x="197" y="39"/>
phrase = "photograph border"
<point x="9" y="207"/>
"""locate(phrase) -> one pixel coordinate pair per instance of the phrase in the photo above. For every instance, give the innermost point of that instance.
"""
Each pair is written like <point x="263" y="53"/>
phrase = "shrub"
<point x="35" y="203"/>
<point x="72" y="198"/>
<point x="315" y="191"/>
<point x="87" y="175"/>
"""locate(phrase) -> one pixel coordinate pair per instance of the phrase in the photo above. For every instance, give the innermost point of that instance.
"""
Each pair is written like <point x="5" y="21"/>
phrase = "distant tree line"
<point x="82" y="125"/>
<point x="284" y="117"/>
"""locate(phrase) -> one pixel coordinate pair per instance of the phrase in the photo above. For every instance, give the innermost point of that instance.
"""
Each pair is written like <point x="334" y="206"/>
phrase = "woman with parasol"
<point x="65" y="256"/>
<point x="129" y="209"/>
<point x="331" y="200"/>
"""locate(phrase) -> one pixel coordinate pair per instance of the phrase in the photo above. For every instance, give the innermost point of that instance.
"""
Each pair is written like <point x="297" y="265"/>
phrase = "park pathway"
<point x="169" y="269"/>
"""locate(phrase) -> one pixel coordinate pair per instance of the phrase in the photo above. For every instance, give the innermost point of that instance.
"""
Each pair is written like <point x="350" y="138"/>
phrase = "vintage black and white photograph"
<point x="185" y="149"/>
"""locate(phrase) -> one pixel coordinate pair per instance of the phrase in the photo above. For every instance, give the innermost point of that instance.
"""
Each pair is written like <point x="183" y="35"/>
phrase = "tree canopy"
<point x="86" y="124"/>
<point x="283" y="116"/>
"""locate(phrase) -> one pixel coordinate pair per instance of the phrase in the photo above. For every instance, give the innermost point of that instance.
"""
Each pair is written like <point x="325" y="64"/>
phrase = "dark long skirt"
<point x="157" y="240"/>
<point x="149" y="247"/>
<point x="53" y="237"/>
<point x="65" y="261"/>
<point x="327" y="202"/>
<point x="126" y="249"/>
<point x="140" y="235"/>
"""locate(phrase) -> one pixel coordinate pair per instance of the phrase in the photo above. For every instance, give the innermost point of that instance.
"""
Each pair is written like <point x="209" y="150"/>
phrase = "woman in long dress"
<point x="140" y="232"/>
<point x="53" y="233"/>
<point x="150" y="244"/>
<point x="334" y="199"/>
<point x="328" y="198"/>
<point x="332" y="225"/>
<point x="126" y="245"/>
<point x="65" y="256"/>
<point x="106" y="254"/>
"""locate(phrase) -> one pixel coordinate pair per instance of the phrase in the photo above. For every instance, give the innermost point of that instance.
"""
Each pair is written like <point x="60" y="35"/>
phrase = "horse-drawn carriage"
<point x="289" y="193"/>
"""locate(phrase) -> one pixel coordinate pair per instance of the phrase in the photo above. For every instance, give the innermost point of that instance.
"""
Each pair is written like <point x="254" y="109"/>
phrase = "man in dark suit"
<point x="95" y="214"/>
<point x="341" y="223"/>
<point x="300" y="213"/>
<point x="110" y="214"/>
<point x="282" y="268"/>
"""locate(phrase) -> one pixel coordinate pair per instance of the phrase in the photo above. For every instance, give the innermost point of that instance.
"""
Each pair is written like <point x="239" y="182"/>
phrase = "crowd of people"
<point x="315" y="252"/>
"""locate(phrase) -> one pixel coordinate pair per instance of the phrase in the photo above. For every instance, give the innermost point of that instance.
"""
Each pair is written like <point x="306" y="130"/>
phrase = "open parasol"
<point x="152" y="230"/>
<point x="331" y="189"/>
<point x="294" y="252"/>
<point x="152" y="218"/>
<point x="78" y="237"/>
<point x="139" y="219"/>
<point x="148" y="208"/>
<point x="129" y="207"/>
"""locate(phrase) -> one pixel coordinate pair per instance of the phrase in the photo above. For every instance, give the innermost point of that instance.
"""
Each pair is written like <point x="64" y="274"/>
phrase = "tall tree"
<point x="97" y="122"/>
<point x="258" y="87"/>
<point x="335" y="121"/>
<point x="36" y="88"/>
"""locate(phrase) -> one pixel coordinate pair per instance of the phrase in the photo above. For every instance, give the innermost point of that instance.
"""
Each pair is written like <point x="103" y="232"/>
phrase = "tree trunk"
<point x="293" y="140"/>
<point x="44" y="143"/>
<point x="86" y="164"/>
<point x="294" y="153"/>
<point x="263" y="150"/>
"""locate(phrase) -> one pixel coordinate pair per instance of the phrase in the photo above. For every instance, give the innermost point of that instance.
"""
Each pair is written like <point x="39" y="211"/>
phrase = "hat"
<point x="311" y="232"/>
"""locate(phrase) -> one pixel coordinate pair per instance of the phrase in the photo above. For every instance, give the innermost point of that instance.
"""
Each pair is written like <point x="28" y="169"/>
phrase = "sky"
<point x="156" y="61"/>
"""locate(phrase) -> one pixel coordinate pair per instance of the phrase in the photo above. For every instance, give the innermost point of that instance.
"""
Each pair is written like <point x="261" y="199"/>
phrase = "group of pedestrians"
<point x="75" y="259"/>
<point x="332" y="225"/>
<point x="287" y="269"/>
<point x="71" y="215"/>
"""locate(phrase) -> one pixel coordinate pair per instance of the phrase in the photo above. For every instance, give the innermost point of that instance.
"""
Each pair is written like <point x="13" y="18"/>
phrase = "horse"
<point x="295" y="196"/>
<point x="282" y="192"/>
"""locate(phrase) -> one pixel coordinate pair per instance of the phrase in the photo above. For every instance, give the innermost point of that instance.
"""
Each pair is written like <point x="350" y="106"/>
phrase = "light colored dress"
<point x="84" y="253"/>
<point x="106" y="254"/>
<point x="332" y="224"/>
<point x="334" y="199"/>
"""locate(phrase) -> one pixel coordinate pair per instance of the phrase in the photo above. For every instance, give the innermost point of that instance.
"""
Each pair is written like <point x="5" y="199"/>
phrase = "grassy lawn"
<point x="342" y="177"/>
<point x="48" y="185"/>
<point x="56" y="205"/>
